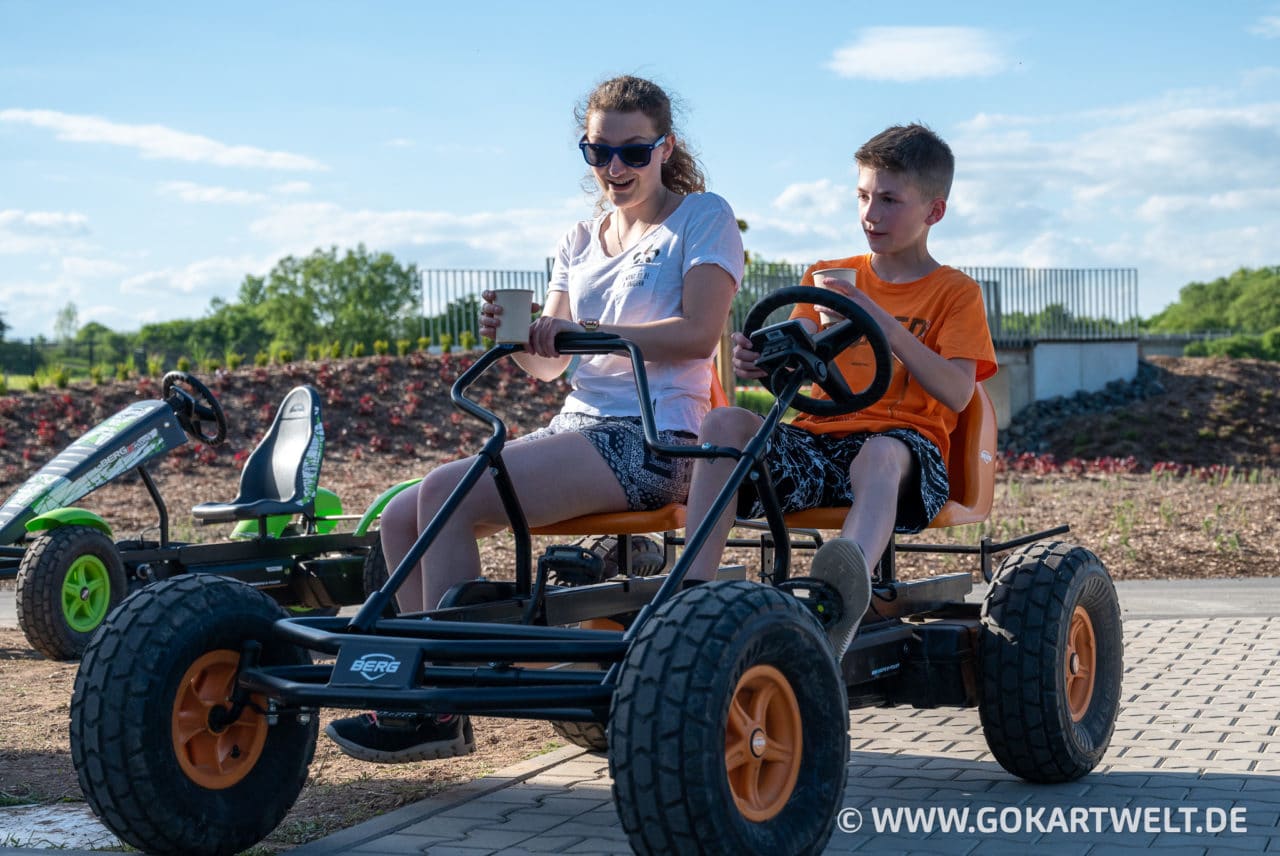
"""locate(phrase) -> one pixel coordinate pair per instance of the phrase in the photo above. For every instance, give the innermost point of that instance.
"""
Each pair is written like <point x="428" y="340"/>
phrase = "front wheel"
<point x="69" y="579"/>
<point x="156" y="757"/>
<point x="1052" y="654"/>
<point x="729" y="727"/>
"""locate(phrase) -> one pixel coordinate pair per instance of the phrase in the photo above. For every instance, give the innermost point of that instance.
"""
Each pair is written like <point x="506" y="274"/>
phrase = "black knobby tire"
<point x="125" y="722"/>
<point x="1046" y="598"/>
<point x="673" y="736"/>
<point x="375" y="576"/>
<point x="69" y="581"/>
<point x="592" y="736"/>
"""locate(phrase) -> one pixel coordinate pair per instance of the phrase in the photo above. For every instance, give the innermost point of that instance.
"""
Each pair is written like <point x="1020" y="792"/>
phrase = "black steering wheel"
<point x="820" y="364"/>
<point x="194" y="410"/>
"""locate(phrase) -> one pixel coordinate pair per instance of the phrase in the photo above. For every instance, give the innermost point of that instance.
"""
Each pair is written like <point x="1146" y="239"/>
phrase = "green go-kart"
<point x="288" y="538"/>
<point x="723" y="710"/>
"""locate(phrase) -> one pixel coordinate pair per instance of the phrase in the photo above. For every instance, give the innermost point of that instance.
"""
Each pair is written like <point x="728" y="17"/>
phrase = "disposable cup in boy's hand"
<point x="849" y="275"/>
<point x="516" y="315"/>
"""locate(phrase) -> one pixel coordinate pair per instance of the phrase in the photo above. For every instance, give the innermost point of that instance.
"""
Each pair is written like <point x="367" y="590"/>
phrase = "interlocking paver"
<point x="1198" y="729"/>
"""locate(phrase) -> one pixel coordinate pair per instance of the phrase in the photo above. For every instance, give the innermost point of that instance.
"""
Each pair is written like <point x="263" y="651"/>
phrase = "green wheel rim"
<point x="86" y="593"/>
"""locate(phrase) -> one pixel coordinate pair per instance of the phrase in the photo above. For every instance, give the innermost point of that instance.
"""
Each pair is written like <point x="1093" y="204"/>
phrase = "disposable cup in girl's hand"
<point x="849" y="275"/>
<point x="516" y="315"/>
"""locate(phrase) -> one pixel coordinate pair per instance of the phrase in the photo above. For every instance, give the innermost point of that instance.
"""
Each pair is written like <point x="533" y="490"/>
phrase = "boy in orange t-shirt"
<point x="887" y="460"/>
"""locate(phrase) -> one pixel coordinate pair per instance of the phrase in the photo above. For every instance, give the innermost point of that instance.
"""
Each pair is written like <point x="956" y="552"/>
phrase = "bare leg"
<point x="877" y="475"/>
<point x="723" y="426"/>
<point x="556" y="478"/>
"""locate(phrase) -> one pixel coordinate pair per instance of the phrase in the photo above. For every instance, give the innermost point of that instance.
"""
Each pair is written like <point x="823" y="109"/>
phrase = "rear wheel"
<point x="69" y="579"/>
<point x="1052" y="653"/>
<point x="155" y="755"/>
<point x="589" y="735"/>
<point x="747" y="668"/>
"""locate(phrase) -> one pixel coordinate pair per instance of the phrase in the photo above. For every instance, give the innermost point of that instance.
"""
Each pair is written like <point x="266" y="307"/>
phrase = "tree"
<point x="1247" y="301"/>
<point x="4" y="327"/>
<point x="66" y="322"/>
<point x="357" y="298"/>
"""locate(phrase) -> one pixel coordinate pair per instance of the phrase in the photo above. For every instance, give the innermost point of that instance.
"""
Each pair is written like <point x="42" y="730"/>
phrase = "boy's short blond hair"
<point x="916" y="152"/>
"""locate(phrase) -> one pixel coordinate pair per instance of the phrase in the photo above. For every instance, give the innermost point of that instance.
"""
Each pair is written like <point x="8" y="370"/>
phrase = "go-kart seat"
<point x="971" y="466"/>
<point x="281" y="475"/>
<point x="665" y="519"/>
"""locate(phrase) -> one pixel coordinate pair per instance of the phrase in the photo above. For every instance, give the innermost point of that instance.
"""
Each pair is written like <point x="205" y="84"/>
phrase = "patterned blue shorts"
<point x="650" y="481"/>
<point x="812" y="471"/>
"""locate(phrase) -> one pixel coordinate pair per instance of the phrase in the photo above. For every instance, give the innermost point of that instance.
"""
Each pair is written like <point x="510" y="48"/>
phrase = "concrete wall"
<point x="1050" y="369"/>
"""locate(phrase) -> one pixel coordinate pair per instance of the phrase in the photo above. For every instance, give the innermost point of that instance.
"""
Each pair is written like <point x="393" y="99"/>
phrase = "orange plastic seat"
<point x="971" y="467"/>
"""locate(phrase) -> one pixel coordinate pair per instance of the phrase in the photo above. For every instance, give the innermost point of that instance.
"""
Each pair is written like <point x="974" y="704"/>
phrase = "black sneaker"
<point x="395" y="737"/>
<point x="840" y="563"/>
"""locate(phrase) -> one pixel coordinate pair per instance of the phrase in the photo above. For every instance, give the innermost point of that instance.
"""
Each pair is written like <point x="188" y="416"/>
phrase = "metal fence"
<point x="1023" y="304"/>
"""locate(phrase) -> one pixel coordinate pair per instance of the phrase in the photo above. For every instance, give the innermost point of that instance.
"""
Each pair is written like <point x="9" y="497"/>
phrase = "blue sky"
<point x="152" y="154"/>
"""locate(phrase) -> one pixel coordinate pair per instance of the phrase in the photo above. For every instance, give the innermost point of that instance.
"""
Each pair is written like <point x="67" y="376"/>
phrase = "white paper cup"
<point x="850" y="275"/>
<point x="516" y="315"/>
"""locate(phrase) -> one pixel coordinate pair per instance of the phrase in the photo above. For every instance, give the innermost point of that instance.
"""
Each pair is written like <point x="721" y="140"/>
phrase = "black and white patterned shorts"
<point x="650" y="481"/>
<point x="812" y="471"/>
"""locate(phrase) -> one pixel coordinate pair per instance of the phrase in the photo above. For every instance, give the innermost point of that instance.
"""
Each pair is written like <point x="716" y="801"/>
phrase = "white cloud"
<point x="489" y="239"/>
<point x="40" y="231"/>
<point x="400" y="143"/>
<point x="919" y="53"/>
<point x="190" y="192"/>
<point x="823" y="198"/>
<point x="208" y="278"/>
<point x="157" y="141"/>
<point x="290" y="188"/>
<point x="1268" y="26"/>
<point x="82" y="268"/>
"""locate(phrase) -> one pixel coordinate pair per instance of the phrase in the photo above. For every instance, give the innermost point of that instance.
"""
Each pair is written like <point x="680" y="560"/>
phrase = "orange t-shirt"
<point x="945" y="311"/>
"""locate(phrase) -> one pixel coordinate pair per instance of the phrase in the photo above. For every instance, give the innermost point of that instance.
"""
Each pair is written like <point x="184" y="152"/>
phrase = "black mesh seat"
<point x="281" y="475"/>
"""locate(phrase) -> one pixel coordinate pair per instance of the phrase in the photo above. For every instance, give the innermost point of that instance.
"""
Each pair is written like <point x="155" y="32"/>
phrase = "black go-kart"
<point x="288" y="534"/>
<point x="721" y="706"/>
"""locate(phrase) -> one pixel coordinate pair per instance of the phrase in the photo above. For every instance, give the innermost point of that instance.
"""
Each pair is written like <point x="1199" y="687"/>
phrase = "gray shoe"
<point x="840" y="563"/>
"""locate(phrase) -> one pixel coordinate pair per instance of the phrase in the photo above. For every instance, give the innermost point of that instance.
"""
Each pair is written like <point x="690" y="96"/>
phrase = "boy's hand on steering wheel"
<point x="744" y="357"/>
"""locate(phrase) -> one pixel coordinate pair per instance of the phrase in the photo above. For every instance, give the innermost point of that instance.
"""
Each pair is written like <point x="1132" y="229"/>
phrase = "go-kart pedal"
<point x="818" y="596"/>
<point x="571" y="565"/>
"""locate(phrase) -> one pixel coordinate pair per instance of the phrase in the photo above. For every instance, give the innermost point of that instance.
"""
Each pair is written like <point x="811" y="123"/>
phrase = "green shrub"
<point x="97" y="374"/>
<point x="33" y="384"/>
<point x="211" y="366"/>
<point x="313" y="353"/>
<point x="381" y="347"/>
<point x="284" y="356"/>
<point x="424" y="343"/>
<point x="335" y="350"/>
<point x="233" y="359"/>
<point x="1239" y="345"/>
<point x="184" y="364"/>
<point x="1197" y="348"/>
<point x="467" y="340"/>
<point x="446" y="343"/>
<point x="122" y="371"/>
<point x="60" y="376"/>
<point x="402" y="347"/>
<point x="357" y="349"/>
<point x="262" y="359"/>
<point x="155" y="365"/>
<point x="1271" y="344"/>
<point x="4" y="384"/>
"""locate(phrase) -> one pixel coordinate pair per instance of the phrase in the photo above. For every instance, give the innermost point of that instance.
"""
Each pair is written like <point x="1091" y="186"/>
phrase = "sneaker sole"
<point x="463" y="744"/>
<point x="840" y="564"/>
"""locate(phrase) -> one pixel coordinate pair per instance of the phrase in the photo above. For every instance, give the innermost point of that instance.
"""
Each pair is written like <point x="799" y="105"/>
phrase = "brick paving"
<point x="1198" y="738"/>
<point x="1197" y="743"/>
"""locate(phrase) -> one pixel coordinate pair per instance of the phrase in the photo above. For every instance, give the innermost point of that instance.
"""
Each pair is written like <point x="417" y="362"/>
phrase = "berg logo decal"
<point x="371" y="667"/>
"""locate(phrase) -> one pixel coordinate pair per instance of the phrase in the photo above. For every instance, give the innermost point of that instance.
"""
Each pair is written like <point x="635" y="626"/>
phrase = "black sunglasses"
<point x="634" y="155"/>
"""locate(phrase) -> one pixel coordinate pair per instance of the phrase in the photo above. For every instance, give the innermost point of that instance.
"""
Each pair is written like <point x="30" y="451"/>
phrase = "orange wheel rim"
<point x="1080" y="664"/>
<point x="214" y="758"/>
<point x="763" y="743"/>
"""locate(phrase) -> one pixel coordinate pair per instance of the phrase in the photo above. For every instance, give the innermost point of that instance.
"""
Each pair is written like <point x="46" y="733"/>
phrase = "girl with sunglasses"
<point x="658" y="264"/>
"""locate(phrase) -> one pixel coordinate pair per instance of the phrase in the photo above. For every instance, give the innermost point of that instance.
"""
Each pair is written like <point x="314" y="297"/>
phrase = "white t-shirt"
<point x="645" y="283"/>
